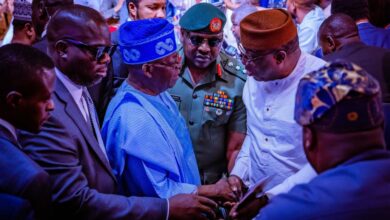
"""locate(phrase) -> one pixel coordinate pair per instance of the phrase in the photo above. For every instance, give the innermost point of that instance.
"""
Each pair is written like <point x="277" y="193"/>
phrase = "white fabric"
<point x="327" y="11"/>
<point x="273" y="145"/>
<point x="76" y="91"/>
<point x="9" y="127"/>
<point x="9" y="34"/>
<point x="95" y="4"/>
<point x="308" y="28"/>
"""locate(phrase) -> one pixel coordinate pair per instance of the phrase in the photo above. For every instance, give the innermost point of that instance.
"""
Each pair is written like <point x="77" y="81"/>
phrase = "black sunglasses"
<point x="97" y="51"/>
<point x="213" y="42"/>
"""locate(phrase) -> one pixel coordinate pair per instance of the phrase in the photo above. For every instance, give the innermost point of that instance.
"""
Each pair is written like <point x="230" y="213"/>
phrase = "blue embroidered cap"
<point x="146" y="40"/>
<point x="340" y="97"/>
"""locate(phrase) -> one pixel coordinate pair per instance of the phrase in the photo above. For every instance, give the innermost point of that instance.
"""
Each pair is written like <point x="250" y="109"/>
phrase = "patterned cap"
<point x="203" y="17"/>
<point x="340" y="97"/>
<point x="22" y="10"/>
<point x="146" y="40"/>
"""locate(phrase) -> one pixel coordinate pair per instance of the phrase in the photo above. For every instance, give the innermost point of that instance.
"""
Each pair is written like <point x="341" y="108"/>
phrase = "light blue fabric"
<point x="374" y="36"/>
<point x="148" y="145"/>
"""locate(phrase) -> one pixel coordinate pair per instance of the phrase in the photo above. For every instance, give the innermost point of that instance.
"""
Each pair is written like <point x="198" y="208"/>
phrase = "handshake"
<point x="212" y="201"/>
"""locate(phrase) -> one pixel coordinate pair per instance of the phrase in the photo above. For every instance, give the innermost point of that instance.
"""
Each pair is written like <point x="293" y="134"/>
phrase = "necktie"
<point x="93" y="121"/>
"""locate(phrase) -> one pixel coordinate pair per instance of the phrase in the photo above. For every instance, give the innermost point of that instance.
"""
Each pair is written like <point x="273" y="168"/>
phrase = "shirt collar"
<point x="9" y="127"/>
<point x="75" y="90"/>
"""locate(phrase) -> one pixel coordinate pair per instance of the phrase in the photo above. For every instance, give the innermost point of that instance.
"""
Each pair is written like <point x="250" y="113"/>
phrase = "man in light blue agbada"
<point x="147" y="141"/>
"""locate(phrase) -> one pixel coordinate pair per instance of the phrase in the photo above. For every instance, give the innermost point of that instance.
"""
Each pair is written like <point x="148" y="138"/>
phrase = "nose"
<point x="204" y="46"/>
<point x="50" y="106"/>
<point x="160" y="13"/>
<point x="105" y="59"/>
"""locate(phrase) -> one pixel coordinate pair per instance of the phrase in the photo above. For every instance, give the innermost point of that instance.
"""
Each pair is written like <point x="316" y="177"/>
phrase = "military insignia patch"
<point x="215" y="25"/>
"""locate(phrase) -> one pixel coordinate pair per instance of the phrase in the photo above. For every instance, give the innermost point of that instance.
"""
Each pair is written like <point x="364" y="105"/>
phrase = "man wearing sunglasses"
<point x="208" y="92"/>
<point x="69" y="146"/>
<point x="273" y="147"/>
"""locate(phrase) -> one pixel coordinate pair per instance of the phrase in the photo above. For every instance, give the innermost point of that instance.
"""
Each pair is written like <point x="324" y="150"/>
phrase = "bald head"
<point x="336" y="31"/>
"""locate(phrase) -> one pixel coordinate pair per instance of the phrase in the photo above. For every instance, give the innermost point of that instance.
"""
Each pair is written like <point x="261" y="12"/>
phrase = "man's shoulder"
<point x="313" y="62"/>
<point x="232" y="67"/>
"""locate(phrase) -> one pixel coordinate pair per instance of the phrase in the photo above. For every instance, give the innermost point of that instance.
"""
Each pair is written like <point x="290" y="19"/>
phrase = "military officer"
<point x="208" y="92"/>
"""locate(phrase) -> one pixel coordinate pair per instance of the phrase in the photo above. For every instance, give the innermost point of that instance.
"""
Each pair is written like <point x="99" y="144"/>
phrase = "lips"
<point x="102" y="72"/>
<point x="202" y="58"/>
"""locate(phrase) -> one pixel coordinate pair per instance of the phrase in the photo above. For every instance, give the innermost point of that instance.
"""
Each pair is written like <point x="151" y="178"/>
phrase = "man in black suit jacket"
<point x="70" y="148"/>
<point x="26" y="83"/>
<point x="339" y="39"/>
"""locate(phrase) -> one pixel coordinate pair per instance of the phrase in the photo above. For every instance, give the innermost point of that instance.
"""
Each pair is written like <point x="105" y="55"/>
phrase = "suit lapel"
<point x="7" y="135"/>
<point x="74" y="113"/>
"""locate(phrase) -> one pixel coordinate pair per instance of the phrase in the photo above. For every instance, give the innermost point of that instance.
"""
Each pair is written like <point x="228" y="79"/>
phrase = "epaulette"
<point x="233" y="66"/>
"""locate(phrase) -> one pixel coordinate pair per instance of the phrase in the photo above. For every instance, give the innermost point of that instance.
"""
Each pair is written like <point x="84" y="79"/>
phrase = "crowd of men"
<point x="157" y="121"/>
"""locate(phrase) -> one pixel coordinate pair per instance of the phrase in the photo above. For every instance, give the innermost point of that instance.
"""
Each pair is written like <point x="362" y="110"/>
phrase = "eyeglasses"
<point x="246" y="58"/>
<point x="213" y="42"/>
<point x="96" y="51"/>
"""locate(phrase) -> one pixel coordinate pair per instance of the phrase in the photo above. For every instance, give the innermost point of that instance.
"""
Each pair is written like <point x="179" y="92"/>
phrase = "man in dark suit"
<point x="70" y="148"/>
<point x="339" y="39"/>
<point x="26" y="83"/>
<point x="14" y="207"/>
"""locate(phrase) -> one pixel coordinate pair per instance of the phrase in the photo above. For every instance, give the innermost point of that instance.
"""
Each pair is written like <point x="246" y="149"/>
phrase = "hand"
<point x="190" y="206"/>
<point x="237" y="186"/>
<point x="220" y="191"/>
<point x="250" y="210"/>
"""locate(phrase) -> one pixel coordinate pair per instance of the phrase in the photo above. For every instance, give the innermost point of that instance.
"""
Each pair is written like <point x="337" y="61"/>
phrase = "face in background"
<point x="201" y="49"/>
<point x="147" y="9"/>
<point x="34" y="109"/>
<point x="235" y="28"/>
<point x="80" y="63"/>
<point x="291" y="8"/>
<point x="42" y="11"/>
<point x="165" y="72"/>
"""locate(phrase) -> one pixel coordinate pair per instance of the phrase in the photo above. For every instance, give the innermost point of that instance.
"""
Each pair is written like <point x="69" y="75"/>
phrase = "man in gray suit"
<point x="70" y="148"/>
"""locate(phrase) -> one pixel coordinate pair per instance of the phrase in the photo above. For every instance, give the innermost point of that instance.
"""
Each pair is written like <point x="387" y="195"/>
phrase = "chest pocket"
<point x="177" y="99"/>
<point x="215" y="116"/>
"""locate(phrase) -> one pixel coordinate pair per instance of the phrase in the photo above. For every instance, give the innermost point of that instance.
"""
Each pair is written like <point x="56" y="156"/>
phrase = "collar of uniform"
<point x="211" y="77"/>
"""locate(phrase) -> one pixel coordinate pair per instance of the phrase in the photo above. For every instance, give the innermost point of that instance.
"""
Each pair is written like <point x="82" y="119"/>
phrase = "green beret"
<point x="203" y="17"/>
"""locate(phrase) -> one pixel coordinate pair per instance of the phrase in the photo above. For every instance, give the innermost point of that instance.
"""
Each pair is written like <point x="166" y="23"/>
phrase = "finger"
<point x="208" y="211"/>
<point x="208" y="202"/>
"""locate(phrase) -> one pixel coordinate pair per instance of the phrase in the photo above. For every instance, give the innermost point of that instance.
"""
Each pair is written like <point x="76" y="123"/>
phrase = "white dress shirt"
<point x="308" y="29"/>
<point x="273" y="145"/>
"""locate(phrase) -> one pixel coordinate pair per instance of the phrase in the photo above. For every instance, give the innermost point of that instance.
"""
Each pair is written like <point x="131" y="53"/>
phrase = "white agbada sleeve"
<point x="305" y="175"/>
<point x="241" y="165"/>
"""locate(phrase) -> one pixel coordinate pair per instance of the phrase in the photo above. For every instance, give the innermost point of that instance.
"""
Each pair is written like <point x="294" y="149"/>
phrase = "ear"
<point x="14" y="99"/>
<point x="280" y="56"/>
<point x="147" y="69"/>
<point x="61" y="49"/>
<point x="309" y="139"/>
<point x="331" y="42"/>
<point x="132" y="10"/>
<point x="30" y="31"/>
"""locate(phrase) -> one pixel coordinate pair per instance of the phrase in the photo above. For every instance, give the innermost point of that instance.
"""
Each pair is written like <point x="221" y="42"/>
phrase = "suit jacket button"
<point x="191" y="122"/>
<point x="194" y="96"/>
